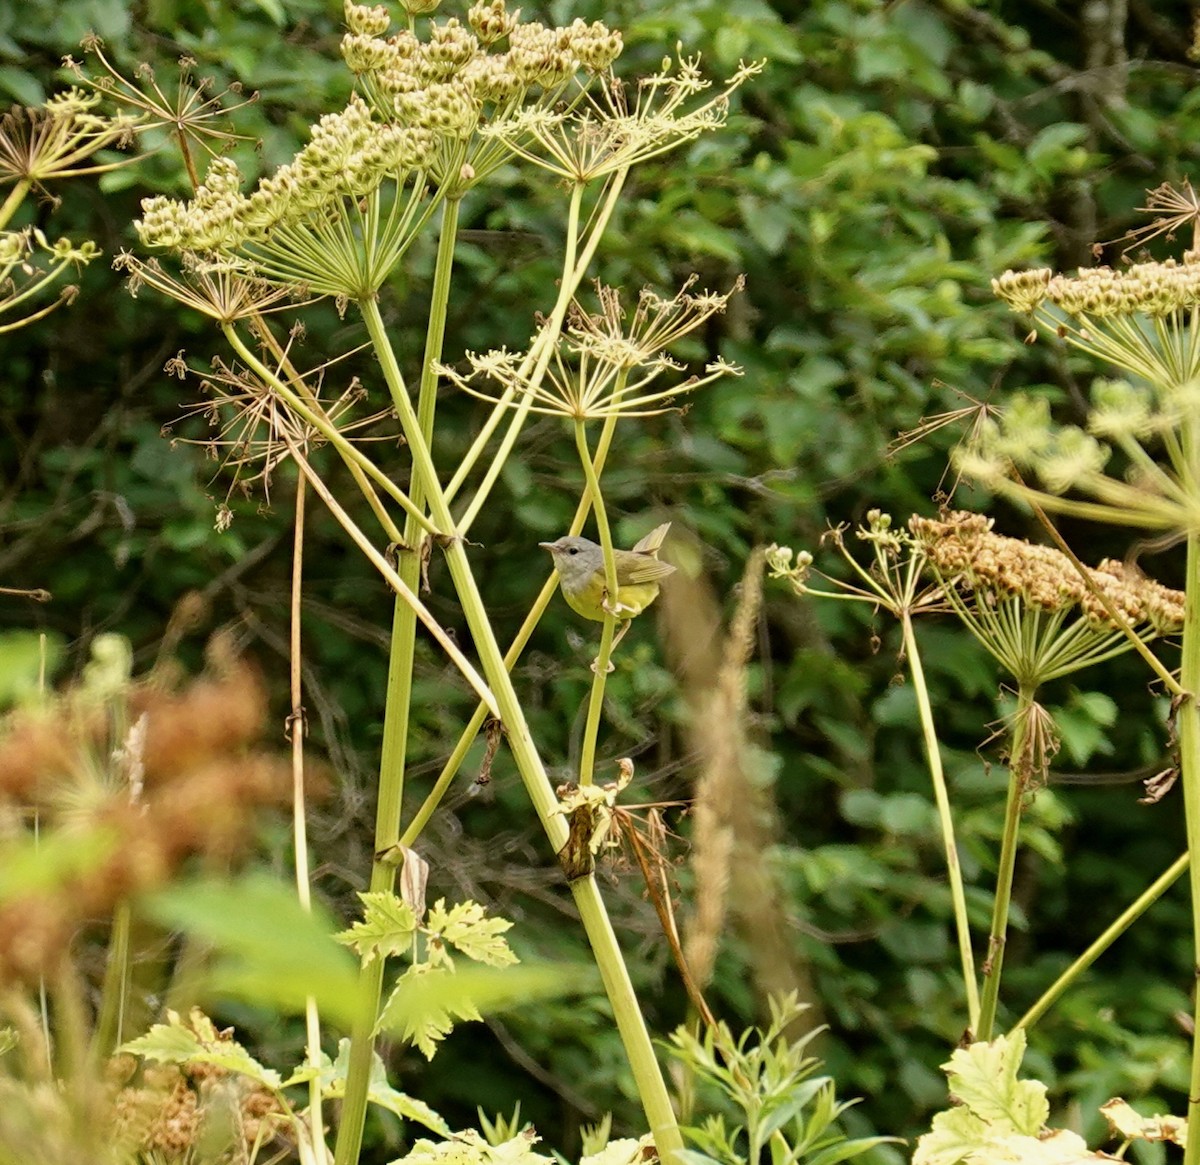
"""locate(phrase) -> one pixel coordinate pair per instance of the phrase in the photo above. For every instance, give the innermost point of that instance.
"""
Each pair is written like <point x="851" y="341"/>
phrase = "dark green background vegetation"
<point x="890" y="161"/>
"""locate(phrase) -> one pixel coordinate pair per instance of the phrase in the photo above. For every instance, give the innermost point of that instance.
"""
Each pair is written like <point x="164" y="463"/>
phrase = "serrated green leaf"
<point x="176" y="1042"/>
<point x="426" y="1026"/>
<point x="427" y="999"/>
<point x="387" y="928"/>
<point x="379" y="1091"/>
<point x="467" y="928"/>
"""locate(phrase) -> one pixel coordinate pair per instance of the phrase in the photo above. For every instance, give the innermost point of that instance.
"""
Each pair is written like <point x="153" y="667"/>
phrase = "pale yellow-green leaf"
<point x="984" y="1078"/>
<point x="469" y="1148"/>
<point x="387" y="928"/>
<point x="379" y="1091"/>
<point x="467" y="928"/>
<point x="955" y="1135"/>
<point x="1060" y="1147"/>
<point x="426" y="1026"/>
<point x="175" y="1042"/>
<point x="625" y="1151"/>
<point x="1127" y="1122"/>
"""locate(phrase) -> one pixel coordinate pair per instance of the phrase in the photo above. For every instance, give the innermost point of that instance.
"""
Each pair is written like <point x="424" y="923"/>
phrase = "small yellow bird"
<point x="580" y="566"/>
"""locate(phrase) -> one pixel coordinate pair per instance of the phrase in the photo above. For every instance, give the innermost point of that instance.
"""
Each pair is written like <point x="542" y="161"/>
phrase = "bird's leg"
<point x="612" y="647"/>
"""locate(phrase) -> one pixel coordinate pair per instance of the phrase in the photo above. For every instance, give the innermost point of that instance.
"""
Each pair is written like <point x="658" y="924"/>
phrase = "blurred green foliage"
<point x="891" y="160"/>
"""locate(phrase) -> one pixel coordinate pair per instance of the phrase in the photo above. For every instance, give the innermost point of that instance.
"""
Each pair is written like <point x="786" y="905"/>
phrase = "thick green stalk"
<point x="15" y="197"/>
<point x="1018" y="785"/>
<point x="1110" y="934"/>
<point x="646" y="1072"/>
<point x="451" y="767"/>
<point x="647" y="1076"/>
<point x="945" y="818"/>
<point x="1188" y="726"/>
<point x="397" y="707"/>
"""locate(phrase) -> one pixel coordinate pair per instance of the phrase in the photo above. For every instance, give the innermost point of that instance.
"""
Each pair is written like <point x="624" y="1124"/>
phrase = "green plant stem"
<point x="1188" y="727"/>
<point x="587" y="755"/>
<point x="456" y="758"/>
<point x="646" y="1071"/>
<point x="114" y="994"/>
<point x="1110" y="934"/>
<point x="1018" y="772"/>
<point x="298" y="727"/>
<point x="638" y="1048"/>
<point x="538" y="359"/>
<point x="945" y="818"/>
<point x="15" y="197"/>
<point x="397" y="708"/>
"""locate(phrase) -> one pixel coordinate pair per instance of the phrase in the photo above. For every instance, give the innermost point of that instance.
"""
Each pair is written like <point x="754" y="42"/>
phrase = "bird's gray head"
<point x="575" y="559"/>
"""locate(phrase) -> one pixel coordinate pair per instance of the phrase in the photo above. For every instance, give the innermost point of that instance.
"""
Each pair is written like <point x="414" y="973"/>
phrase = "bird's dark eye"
<point x="573" y="550"/>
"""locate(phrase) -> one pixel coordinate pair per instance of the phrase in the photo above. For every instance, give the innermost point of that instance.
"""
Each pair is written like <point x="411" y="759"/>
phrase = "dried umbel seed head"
<point x="966" y="554"/>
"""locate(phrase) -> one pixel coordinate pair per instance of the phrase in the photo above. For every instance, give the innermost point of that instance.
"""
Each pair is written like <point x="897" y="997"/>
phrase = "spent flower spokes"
<point x="192" y="113"/>
<point x="894" y="579"/>
<point x="23" y="277"/>
<point x="604" y="364"/>
<point x="58" y="140"/>
<point x="224" y="289"/>
<point x="257" y="430"/>
<point x="607" y="134"/>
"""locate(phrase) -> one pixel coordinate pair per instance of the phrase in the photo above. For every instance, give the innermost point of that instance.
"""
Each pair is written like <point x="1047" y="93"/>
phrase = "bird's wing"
<point x="646" y="570"/>
<point x="652" y="542"/>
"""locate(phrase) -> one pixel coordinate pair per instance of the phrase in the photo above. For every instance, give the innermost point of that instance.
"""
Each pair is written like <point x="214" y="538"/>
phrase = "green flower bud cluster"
<point x="1153" y="289"/>
<point x="406" y="77"/>
<point x="350" y="155"/>
<point x="965" y="553"/>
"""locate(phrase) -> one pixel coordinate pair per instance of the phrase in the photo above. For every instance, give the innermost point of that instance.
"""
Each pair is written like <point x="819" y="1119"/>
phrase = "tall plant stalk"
<point x="1019" y="773"/>
<point x="1189" y="773"/>
<point x="647" y="1074"/>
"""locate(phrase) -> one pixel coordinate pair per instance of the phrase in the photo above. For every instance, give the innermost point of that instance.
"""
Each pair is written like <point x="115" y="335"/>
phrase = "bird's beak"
<point x="546" y="545"/>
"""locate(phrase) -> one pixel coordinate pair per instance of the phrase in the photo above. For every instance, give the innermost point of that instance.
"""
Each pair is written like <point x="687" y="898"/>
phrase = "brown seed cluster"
<point x="124" y="812"/>
<point x="173" y="1108"/>
<point x="965" y="553"/>
<point x="1153" y="289"/>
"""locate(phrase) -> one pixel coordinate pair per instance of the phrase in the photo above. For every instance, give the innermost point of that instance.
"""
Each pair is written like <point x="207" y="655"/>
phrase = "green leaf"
<point x="387" y="928"/>
<point x="177" y="1042"/>
<point x="271" y="951"/>
<point x="427" y="1000"/>
<point x="380" y="1092"/>
<point x="467" y="928"/>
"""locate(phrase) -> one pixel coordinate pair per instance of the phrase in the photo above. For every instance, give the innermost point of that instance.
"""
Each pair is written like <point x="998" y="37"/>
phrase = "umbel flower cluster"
<point x="424" y="99"/>
<point x="966" y="554"/>
<point x="1131" y="460"/>
<point x="1154" y="289"/>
